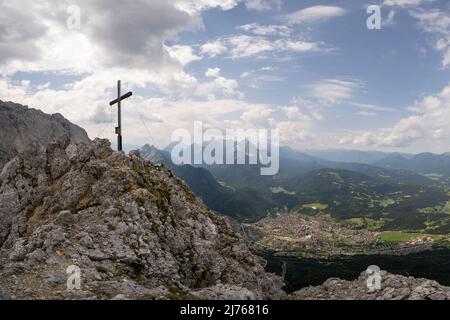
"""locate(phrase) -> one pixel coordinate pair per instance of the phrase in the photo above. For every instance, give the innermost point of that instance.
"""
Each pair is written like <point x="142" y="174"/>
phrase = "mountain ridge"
<point x="21" y="126"/>
<point x="303" y="179"/>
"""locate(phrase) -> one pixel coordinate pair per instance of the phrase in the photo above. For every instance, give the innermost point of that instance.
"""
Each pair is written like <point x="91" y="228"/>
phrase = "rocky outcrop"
<point x="393" y="287"/>
<point x="20" y="127"/>
<point x="133" y="228"/>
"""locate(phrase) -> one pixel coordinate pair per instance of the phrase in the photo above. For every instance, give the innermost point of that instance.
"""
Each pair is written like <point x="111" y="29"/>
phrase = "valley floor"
<point x="322" y="237"/>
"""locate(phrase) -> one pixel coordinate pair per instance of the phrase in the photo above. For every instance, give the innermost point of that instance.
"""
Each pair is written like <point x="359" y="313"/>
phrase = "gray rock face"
<point x="20" y="127"/>
<point x="134" y="230"/>
<point x="393" y="287"/>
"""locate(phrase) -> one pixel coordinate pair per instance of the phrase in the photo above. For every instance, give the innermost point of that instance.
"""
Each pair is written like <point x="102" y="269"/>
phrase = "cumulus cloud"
<point x="194" y="7"/>
<point x="260" y="41"/>
<point x="265" y="30"/>
<point x="259" y="117"/>
<point x="294" y="132"/>
<point x="428" y="125"/>
<point x="293" y="113"/>
<point x="293" y="124"/>
<point x="140" y="37"/>
<point x="108" y="46"/>
<point x="405" y="3"/>
<point x="244" y="46"/>
<point x="145" y="120"/>
<point x="263" y="5"/>
<point x="213" y="49"/>
<point x="34" y="38"/>
<point x="183" y="54"/>
<point x="213" y="72"/>
<point x="297" y="122"/>
<point x="146" y="53"/>
<point x="219" y="86"/>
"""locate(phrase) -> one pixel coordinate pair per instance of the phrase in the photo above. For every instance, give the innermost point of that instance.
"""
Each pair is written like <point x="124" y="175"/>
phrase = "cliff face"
<point x="20" y="127"/>
<point x="131" y="227"/>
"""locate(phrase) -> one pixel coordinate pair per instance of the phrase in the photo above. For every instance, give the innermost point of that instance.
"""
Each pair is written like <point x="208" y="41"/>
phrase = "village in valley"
<point x="322" y="237"/>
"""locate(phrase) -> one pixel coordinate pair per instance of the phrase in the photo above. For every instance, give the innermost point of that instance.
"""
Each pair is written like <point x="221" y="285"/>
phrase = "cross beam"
<point x="119" y="105"/>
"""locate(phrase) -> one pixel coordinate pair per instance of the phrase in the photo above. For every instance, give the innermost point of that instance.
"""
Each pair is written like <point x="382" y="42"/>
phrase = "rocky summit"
<point x="133" y="229"/>
<point x="21" y="127"/>
<point x="393" y="287"/>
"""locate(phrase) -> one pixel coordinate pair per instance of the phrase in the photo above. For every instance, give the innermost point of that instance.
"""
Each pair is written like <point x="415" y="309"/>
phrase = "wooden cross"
<point x="118" y="102"/>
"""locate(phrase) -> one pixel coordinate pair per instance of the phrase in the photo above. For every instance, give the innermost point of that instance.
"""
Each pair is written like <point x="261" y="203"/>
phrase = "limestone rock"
<point x="21" y="127"/>
<point x="393" y="287"/>
<point x="133" y="229"/>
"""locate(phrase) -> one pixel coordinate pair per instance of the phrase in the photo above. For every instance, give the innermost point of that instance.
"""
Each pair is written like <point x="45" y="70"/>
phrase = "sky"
<point x="312" y="69"/>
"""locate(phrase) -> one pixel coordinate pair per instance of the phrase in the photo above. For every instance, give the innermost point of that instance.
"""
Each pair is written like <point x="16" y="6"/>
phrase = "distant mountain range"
<point x="347" y="189"/>
<point x="242" y="205"/>
<point x="337" y="155"/>
<point x="423" y="163"/>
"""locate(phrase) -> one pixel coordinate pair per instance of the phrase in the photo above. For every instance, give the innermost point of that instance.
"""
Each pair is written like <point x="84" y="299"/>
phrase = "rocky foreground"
<point x="136" y="232"/>
<point x="133" y="228"/>
<point x="393" y="287"/>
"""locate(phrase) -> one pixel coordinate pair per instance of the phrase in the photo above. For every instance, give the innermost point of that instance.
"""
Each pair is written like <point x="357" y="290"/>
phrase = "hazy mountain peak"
<point x="153" y="154"/>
